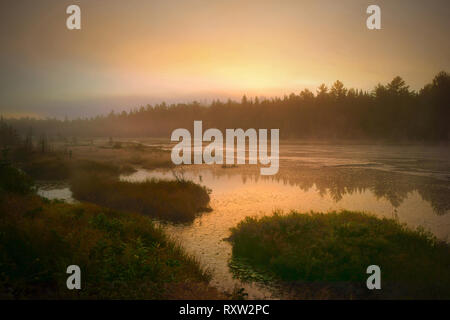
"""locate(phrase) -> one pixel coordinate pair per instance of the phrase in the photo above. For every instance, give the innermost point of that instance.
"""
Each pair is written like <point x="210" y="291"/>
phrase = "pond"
<point x="408" y="183"/>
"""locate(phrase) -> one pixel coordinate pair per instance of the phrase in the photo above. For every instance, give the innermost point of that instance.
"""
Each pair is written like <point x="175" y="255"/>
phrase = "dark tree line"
<point x="22" y="146"/>
<point x="391" y="111"/>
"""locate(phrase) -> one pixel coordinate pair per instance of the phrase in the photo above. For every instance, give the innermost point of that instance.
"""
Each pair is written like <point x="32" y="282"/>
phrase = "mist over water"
<point x="407" y="183"/>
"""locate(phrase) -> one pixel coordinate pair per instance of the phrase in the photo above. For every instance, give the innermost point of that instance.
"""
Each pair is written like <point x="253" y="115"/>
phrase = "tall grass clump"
<point x="48" y="167"/>
<point x="338" y="247"/>
<point x="176" y="201"/>
<point x="58" y="167"/>
<point x="14" y="180"/>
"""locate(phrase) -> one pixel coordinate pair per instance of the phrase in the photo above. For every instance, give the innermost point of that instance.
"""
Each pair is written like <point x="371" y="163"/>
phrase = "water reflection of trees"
<point x="338" y="182"/>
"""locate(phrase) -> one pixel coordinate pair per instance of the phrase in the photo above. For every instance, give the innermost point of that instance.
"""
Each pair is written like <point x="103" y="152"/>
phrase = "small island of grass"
<point x="176" y="201"/>
<point x="333" y="250"/>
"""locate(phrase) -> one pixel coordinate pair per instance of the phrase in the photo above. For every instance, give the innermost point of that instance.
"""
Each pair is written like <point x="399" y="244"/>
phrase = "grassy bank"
<point x="333" y="250"/>
<point x="64" y="162"/>
<point x="121" y="255"/>
<point x="176" y="201"/>
<point x="93" y="174"/>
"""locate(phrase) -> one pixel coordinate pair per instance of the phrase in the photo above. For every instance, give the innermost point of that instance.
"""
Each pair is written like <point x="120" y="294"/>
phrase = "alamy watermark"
<point x="187" y="153"/>
<point x="374" y="280"/>
<point x="73" y="22"/>
<point x="74" y="280"/>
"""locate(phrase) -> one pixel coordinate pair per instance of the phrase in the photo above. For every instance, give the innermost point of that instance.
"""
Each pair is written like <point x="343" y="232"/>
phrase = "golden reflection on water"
<point x="240" y="192"/>
<point x="408" y="183"/>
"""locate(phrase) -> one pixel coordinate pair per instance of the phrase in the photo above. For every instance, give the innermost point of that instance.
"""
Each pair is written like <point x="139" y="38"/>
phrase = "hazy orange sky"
<point x="130" y="53"/>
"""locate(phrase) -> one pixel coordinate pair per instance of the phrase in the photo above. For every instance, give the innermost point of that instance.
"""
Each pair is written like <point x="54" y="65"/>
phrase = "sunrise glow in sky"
<point x="130" y="53"/>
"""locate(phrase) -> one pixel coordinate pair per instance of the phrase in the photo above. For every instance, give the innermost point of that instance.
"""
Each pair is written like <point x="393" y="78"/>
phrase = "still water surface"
<point x="407" y="183"/>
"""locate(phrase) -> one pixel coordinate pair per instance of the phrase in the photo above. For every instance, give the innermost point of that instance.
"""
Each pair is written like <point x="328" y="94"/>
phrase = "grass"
<point x="176" y="201"/>
<point x="99" y="167"/>
<point x="47" y="167"/>
<point x="121" y="255"/>
<point x="336" y="248"/>
<point x="59" y="165"/>
<point x="14" y="180"/>
<point x="95" y="178"/>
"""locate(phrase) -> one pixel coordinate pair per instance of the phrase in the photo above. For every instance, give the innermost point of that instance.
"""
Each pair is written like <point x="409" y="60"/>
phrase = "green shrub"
<point x="176" y="201"/>
<point x="338" y="247"/>
<point x="47" y="168"/>
<point x="14" y="180"/>
<point x="121" y="256"/>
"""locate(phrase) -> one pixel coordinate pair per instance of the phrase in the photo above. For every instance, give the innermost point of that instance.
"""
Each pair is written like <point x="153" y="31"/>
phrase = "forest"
<point x="389" y="112"/>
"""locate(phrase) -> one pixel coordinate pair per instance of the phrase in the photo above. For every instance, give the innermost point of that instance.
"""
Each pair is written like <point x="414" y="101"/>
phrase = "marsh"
<point x="409" y="183"/>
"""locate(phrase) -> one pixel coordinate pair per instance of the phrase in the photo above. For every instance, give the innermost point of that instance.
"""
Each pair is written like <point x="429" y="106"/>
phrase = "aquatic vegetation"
<point x="14" y="180"/>
<point x="176" y="201"/>
<point x="57" y="167"/>
<point x="48" y="167"/>
<point x="61" y="164"/>
<point x="243" y="270"/>
<point x="121" y="255"/>
<point x="338" y="247"/>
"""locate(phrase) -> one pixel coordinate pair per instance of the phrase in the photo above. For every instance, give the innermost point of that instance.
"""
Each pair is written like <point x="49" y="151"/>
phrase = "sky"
<point x="131" y="53"/>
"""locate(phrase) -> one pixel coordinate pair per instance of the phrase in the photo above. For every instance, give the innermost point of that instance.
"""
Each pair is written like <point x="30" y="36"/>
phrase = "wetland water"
<point x="408" y="183"/>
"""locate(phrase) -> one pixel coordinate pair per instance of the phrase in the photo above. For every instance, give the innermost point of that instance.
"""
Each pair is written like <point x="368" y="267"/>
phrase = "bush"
<point x="338" y="247"/>
<point x="120" y="255"/>
<point x="14" y="180"/>
<point x="47" y="168"/>
<point x="176" y="201"/>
